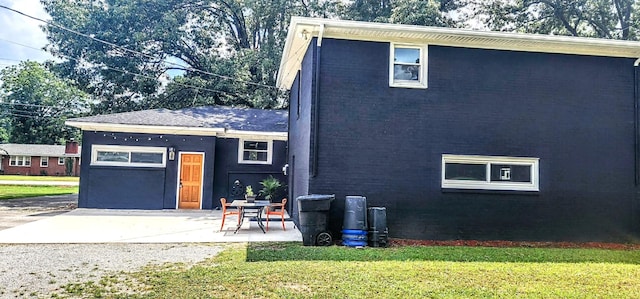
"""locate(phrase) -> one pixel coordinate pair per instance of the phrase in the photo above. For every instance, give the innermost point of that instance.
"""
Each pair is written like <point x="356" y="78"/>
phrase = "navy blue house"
<point x="184" y="159"/>
<point x="466" y="134"/>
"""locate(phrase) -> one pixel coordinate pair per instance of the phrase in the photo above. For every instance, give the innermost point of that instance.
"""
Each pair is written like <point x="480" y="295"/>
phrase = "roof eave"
<point x="149" y="129"/>
<point x="255" y="135"/>
<point x="301" y="30"/>
<point x="174" y="130"/>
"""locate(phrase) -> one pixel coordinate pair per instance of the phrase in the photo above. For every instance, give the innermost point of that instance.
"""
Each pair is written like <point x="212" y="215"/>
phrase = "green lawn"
<point x="19" y="191"/>
<point x="287" y="270"/>
<point x="37" y="178"/>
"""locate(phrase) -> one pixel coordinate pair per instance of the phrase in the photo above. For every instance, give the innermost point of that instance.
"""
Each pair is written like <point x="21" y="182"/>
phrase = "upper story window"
<point x="132" y="156"/>
<point x="19" y="161"/>
<point x="408" y="66"/>
<point x="255" y="151"/>
<point x="490" y="173"/>
<point x="44" y="161"/>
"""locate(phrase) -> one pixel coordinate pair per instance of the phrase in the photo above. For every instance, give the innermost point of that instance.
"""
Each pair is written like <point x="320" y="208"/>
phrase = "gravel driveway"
<point x="39" y="270"/>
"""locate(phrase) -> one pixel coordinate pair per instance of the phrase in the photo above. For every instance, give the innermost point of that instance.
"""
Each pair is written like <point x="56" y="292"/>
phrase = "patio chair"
<point x="226" y="212"/>
<point x="276" y="209"/>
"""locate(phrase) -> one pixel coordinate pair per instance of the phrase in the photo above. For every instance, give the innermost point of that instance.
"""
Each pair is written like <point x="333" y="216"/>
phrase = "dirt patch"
<point x="598" y="245"/>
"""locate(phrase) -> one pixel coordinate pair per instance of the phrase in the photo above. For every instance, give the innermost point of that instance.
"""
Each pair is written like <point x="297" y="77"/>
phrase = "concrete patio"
<point x="142" y="226"/>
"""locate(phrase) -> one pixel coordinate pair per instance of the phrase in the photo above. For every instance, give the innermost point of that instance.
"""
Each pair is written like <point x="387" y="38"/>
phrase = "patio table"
<point x="243" y="206"/>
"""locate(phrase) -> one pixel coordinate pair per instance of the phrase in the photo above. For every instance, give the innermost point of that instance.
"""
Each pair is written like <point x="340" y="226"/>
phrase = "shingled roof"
<point x="259" y="120"/>
<point x="42" y="150"/>
<point x="156" y="117"/>
<point x="208" y="120"/>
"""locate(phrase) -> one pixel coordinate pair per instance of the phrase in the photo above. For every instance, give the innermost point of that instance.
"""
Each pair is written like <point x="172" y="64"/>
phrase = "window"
<point x="60" y="160"/>
<point x="490" y="173"/>
<point x="20" y="161"/>
<point x="44" y="161"/>
<point x="255" y="152"/>
<point x="133" y="156"/>
<point x="407" y="67"/>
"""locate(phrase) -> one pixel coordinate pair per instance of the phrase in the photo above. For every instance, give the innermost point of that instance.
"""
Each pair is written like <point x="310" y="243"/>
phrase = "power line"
<point x="32" y="105"/>
<point x="9" y="59"/>
<point x="128" y="72"/>
<point x="134" y="51"/>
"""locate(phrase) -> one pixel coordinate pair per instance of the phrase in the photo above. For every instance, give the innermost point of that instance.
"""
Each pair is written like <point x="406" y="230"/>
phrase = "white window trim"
<point x="119" y="148"/>
<point x="488" y="184"/>
<point x="44" y="159"/>
<point x="422" y="83"/>
<point x="13" y="161"/>
<point x="60" y="159"/>
<point x="241" y="151"/>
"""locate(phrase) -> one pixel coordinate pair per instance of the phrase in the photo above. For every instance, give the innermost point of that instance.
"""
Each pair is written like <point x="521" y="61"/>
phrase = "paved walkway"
<point x="54" y="220"/>
<point x="134" y="226"/>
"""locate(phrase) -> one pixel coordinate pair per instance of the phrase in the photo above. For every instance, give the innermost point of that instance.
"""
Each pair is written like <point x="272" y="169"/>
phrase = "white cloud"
<point x="16" y="29"/>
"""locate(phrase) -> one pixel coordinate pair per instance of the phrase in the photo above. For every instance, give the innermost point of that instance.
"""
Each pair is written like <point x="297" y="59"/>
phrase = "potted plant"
<point x="270" y="187"/>
<point x="249" y="195"/>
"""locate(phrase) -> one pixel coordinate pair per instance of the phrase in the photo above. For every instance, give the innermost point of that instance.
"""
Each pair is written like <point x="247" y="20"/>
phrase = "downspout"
<point x="635" y="206"/>
<point x="314" y="162"/>
<point x="636" y="104"/>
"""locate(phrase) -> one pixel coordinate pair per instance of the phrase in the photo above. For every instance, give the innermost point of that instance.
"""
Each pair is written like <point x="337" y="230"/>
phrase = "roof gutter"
<point x="86" y="126"/>
<point x="175" y="130"/>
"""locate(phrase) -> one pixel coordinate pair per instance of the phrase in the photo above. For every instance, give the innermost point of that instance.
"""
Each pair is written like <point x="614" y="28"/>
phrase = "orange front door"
<point x="190" y="193"/>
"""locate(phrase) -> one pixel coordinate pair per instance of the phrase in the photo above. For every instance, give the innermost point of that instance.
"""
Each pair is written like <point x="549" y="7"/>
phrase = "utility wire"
<point x="129" y="72"/>
<point x="9" y="59"/>
<point x="31" y="105"/>
<point x="133" y="51"/>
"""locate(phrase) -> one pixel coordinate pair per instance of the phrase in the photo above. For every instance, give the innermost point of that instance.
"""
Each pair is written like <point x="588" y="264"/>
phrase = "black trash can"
<point x="378" y="231"/>
<point x="354" y="229"/>
<point x="313" y="212"/>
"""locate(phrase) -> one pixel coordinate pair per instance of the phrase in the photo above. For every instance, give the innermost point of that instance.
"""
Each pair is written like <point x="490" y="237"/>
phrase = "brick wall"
<point x="575" y="113"/>
<point x="53" y="169"/>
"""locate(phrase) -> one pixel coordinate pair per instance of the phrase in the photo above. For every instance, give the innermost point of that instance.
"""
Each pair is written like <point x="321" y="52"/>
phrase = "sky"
<point x="15" y="28"/>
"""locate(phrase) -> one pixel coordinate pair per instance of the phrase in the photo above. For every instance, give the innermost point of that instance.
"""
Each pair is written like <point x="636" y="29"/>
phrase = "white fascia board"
<point x="170" y="130"/>
<point x="303" y="29"/>
<point x="255" y="135"/>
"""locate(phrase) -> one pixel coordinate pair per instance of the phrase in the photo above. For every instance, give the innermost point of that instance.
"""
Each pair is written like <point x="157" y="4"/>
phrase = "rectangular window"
<point x="24" y="161"/>
<point x="255" y="152"/>
<point x="44" y="161"/>
<point x="60" y="160"/>
<point x="490" y="173"/>
<point x="408" y="66"/>
<point x="132" y="156"/>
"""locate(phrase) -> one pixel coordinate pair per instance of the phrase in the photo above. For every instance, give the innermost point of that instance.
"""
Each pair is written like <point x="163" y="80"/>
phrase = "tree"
<point x="226" y="51"/>
<point x="411" y="12"/>
<point x="426" y="13"/>
<point x="369" y="10"/>
<point x="612" y="19"/>
<point x="36" y="103"/>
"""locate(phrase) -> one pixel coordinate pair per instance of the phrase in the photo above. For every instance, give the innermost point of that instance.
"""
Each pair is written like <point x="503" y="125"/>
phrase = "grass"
<point x="288" y="270"/>
<point x="20" y="191"/>
<point x="38" y="178"/>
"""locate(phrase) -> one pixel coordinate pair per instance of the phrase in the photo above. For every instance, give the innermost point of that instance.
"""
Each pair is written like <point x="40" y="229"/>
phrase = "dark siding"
<point x="300" y="130"/>
<point x="228" y="170"/>
<point x="575" y="113"/>
<point x="135" y="187"/>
